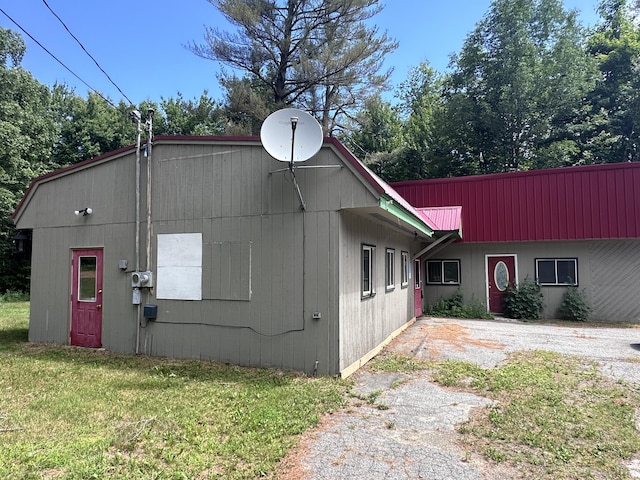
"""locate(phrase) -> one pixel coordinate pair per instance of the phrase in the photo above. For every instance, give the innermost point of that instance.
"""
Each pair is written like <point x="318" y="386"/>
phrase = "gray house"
<point x="201" y="250"/>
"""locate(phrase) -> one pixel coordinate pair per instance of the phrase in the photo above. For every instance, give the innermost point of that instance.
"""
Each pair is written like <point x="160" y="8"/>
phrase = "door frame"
<point x="486" y="271"/>
<point x="418" y="306"/>
<point x="76" y="254"/>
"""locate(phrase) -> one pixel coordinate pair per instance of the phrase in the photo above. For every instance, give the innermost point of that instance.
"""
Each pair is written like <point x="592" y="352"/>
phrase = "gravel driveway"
<point x="415" y="438"/>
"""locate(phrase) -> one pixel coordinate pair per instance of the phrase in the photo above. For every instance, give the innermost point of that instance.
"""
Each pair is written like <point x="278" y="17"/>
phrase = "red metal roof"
<point x="443" y="218"/>
<point x="572" y="203"/>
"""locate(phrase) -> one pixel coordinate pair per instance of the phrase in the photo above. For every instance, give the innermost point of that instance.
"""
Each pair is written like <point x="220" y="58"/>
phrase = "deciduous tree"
<point x="519" y="83"/>
<point x="615" y="101"/>
<point x="27" y="132"/>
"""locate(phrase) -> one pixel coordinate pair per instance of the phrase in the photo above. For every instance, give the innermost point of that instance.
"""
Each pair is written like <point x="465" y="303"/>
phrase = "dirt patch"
<point x="292" y="466"/>
<point x="436" y="338"/>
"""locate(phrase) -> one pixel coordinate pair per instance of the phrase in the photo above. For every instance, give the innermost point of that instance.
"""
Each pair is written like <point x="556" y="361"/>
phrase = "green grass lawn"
<point x="68" y="413"/>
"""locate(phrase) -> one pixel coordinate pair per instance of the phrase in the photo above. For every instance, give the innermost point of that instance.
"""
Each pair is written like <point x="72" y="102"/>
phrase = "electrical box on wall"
<point x="142" y="279"/>
<point x="150" y="312"/>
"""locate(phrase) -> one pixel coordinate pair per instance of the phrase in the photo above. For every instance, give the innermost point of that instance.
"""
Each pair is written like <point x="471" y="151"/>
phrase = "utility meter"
<point x="142" y="279"/>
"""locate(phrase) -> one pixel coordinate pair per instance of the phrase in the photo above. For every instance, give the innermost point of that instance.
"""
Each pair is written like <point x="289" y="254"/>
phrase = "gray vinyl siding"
<point x="367" y="322"/>
<point x="608" y="271"/>
<point x="51" y="284"/>
<point x="267" y="265"/>
<point x="106" y="188"/>
<point x="293" y="272"/>
<point x="615" y="280"/>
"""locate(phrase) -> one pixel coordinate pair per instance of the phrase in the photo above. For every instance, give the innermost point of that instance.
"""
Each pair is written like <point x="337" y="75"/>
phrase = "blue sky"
<point x="140" y="43"/>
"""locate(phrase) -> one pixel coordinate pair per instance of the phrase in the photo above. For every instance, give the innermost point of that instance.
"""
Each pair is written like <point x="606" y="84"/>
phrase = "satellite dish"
<point x="291" y="135"/>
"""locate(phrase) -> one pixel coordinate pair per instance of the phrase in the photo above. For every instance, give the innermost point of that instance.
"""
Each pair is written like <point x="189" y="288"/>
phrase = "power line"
<point x="57" y="59"/>
<point x="85" y="51"/>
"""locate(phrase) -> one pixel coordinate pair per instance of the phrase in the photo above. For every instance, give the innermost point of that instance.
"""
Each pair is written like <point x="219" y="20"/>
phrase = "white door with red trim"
<point x="86" y="298"/>
<point x="501" y="272"/>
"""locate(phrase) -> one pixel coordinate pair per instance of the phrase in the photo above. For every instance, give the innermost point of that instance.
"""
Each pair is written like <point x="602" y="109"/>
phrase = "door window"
<point x="501" y="276"/>
<point x="87" y="279"/>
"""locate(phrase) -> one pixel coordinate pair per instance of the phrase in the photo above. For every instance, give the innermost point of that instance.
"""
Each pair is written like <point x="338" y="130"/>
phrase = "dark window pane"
<point x="390" y="278"/>
<point x="366" y="270"/>
<point x="434" y="272"/>
<point x="451" y="272"/>
<point x="567" y="271"/>
<point x="405" y="268"/>
<point x="546" y="271"/>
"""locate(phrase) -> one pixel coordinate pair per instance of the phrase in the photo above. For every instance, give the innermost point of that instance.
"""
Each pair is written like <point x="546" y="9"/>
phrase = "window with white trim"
<point x="443" y="272"/>
<point x="416" y="274"/>
<point x="557" y="271"/>
<point x="404" y="269"/>
<point x="368" y="270"/>
<point x="389" y="270"/>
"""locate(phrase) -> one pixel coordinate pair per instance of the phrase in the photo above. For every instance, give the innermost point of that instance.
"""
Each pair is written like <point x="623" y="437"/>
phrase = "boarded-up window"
<point x="227" y="274"/>
<point x="179" y="266"/>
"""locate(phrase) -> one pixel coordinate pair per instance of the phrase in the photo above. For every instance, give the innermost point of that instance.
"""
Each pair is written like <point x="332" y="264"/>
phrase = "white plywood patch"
<point x="179" y="266"/>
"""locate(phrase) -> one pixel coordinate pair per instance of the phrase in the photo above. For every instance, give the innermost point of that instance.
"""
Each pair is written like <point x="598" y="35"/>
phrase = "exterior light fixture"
<point x="22" y="240"/>
<point x="84" y="212"/>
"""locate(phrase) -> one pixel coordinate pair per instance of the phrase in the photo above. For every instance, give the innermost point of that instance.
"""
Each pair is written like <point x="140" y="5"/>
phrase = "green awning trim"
<point x="387" y="204"/>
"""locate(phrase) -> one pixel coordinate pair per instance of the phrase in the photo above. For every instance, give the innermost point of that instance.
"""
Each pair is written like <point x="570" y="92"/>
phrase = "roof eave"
<point x="387" y="204"/>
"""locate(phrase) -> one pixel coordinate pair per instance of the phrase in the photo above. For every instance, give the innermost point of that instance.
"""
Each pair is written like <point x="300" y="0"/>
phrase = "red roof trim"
<point x="379" y="185"/>
<point x="528" y="173"/>
<point x="368" y="175"/>
<point x="207" y="138"/>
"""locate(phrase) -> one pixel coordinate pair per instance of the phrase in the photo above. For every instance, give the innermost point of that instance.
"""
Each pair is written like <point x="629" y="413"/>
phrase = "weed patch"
<point x="392" y="362"/>
<point x="553" y="416"/>
<point x="456" y="307"/>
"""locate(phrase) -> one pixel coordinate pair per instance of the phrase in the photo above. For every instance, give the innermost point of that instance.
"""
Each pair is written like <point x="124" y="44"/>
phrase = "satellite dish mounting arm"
<point x="294" y="124"/>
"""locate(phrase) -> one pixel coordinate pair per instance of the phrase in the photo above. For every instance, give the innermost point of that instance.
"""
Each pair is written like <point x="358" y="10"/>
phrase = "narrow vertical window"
<point x="404" y="269"/>
<point x="87" y="279"/>
<point x="390" y="267"/>
<point x="368" y="271"/>
<point x="416" y="273"/>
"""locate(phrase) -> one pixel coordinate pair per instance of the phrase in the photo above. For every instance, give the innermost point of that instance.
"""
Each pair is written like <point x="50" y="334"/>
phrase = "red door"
<point x="417" y="288"/>
<point x="501" y="272"/>
<point x="86" y="298"/>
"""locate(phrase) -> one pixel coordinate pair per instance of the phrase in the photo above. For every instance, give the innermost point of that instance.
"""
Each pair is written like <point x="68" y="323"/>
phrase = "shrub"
<point x="455" y="307"/>
<point x="524" y="301"/>
<point x="14" y="296"/>
<point x="574" y="305"/>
